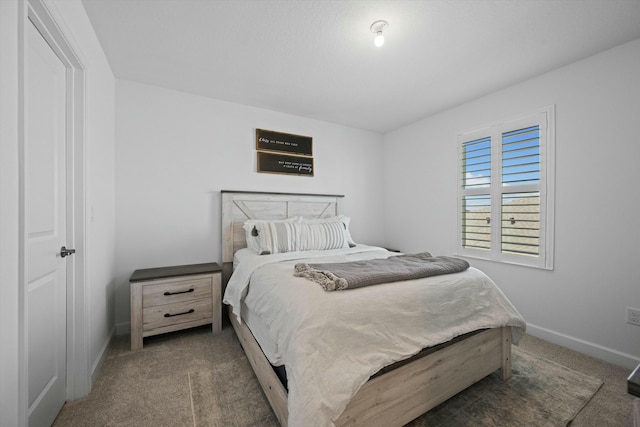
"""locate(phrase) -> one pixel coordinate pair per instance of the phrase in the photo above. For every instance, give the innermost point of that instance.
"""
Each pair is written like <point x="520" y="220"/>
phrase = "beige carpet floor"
<point x="154" y="387"/>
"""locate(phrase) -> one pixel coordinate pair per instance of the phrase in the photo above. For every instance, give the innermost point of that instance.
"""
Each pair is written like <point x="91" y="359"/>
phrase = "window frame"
<point x="545" y="118"/>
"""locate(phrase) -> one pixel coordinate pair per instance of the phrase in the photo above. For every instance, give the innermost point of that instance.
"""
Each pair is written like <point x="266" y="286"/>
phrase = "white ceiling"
<point x="317" y="58"/>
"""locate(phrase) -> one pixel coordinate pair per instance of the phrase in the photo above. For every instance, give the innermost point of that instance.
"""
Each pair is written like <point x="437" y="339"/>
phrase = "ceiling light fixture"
<point x="376" y="28"/>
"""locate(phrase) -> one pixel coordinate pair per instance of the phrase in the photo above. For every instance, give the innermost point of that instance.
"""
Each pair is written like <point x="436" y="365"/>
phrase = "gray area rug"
<point x="539" y="393"/>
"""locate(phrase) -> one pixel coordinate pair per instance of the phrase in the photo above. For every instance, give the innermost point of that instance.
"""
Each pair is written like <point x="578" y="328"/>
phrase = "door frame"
<point x="49" y="22"/>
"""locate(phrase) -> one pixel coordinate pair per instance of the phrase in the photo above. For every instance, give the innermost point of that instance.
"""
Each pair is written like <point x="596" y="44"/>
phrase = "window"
<point x="505" y="197"/>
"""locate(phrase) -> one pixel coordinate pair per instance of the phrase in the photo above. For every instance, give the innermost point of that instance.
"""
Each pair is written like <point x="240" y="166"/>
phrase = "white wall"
<point x="582" y="303"/>
<point x="176" y="151"/>
<point x="99" y="145"/>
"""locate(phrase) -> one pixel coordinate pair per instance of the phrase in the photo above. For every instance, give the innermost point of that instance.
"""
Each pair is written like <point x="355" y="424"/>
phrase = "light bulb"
<point x="377" y="28"/>
<point x="379" y="40"/>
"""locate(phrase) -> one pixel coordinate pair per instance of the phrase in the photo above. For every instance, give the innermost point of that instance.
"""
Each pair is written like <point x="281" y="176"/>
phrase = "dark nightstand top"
<point x="633" y="382"/>
<point x="175" y="271"/>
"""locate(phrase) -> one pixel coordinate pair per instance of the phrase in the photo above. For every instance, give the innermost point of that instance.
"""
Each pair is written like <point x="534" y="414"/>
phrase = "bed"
<point x="401" y="378"/>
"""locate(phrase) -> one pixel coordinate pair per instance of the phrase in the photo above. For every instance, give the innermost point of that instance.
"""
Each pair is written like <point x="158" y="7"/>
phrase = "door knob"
<point x="66" y="252"/>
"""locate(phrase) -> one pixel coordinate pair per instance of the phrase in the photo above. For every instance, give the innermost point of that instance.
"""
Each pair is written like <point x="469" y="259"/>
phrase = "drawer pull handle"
<point x="179" y="314"/>
<point x="181" y="292"/>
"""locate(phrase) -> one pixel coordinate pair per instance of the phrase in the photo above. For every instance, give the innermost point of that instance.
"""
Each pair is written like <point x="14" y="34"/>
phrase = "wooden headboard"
<point x="239" y="206"/>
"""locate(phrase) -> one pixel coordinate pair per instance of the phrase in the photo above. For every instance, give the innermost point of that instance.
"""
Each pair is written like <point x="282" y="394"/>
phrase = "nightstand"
<point x="170" y="299"/>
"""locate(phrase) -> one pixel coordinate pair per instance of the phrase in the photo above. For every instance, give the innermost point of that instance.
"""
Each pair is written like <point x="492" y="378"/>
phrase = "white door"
<point x="44" y="170"/>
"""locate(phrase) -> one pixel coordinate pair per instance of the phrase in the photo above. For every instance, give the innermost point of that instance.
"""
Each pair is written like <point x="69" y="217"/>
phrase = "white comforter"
<point x="332" y="342"/>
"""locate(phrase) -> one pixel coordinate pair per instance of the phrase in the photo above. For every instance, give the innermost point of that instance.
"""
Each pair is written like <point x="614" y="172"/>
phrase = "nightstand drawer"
<point x="176" y="291"/>
<point x="165" y="318"/>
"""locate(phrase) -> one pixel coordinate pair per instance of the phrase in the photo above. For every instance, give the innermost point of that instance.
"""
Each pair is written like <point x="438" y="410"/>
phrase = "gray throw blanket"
<point x="356" y="274"/>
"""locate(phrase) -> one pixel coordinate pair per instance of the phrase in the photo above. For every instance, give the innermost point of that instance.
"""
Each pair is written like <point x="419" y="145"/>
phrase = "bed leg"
<point x="506" y="352"/>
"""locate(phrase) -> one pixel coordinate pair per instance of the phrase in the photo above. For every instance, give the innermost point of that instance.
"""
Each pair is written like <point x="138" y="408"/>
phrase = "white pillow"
<point x="251" y="233"/>
<point x="345" y="220"/>
<point x="295" y="236"/>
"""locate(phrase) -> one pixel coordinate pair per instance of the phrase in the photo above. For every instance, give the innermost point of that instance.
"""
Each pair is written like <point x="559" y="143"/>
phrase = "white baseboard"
<point x="608" y="355"/>
<point x="97" y="364"/>
<point x="123" y="328"/>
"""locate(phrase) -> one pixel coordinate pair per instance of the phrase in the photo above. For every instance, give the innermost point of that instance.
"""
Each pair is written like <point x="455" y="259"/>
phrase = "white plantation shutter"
<point x="476" y="198"/>
<point x="521" y="156"/>
<point x="520" y="228"/>
<point x="506" y="191"/>
<point x="477" y="163"/>
<point x="476" y="221"/>
<point x="520" y="222"/>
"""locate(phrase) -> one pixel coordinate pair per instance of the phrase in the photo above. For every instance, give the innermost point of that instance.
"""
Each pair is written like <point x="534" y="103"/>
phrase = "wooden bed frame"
<point x="395" y="397"/>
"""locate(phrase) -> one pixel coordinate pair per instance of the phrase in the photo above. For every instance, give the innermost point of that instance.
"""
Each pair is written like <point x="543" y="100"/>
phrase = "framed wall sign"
<point x="268" y="140"/>
<point x="285" y="164"/>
